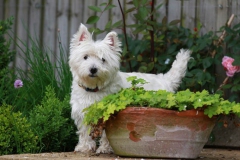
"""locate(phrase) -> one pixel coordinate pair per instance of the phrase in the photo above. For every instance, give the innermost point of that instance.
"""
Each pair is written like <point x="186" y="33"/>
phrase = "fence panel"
<point x="44" y="18"/>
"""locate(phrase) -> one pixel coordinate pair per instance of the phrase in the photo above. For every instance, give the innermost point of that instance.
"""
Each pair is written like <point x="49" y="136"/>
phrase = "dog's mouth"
<point x="92" y="75"/>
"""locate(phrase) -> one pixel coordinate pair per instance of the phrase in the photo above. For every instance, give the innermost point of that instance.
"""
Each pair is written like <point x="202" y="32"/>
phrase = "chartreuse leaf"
<point x="171" y="100"/>
<point x="236" y="108"/>
<point x="137" y="96"/>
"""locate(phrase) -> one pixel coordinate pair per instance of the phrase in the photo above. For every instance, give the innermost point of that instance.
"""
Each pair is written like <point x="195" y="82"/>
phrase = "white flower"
<point x="185" y="107"/>
<point x="199" y="100"/>
<point x="167" y="61"/>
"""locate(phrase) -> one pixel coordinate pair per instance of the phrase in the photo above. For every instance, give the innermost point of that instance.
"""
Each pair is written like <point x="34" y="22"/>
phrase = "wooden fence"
<point x="45" y="19"/>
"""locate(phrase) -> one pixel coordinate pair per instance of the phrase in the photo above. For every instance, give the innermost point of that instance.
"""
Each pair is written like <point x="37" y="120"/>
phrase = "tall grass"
<point x="42" y="71"/>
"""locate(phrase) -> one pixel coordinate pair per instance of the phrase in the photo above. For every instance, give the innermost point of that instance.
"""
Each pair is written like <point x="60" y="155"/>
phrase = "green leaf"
<point x="136" y="3"/>
<point x="164" y="20"/>
<point x="227" y="86"/>
<point x="150" y="28"/>
<point x="103" y="4"/>
<point x="159" y="6"/>
<point x="117" y="24"/>
<point x="207" y="62"/>
<point x="95" y="8"/>
<point x="96" y="30"/>
<point x="139" y="58"/>
<point x="150" y="66"/>
<point x="236" y="88"/>
<point x="130" y="10"/>
<point x="139" y="29"/>
<point x="142" y="69"/>
<point x="92" y="19"/>
<point x="109" y="7"/>
<point x="174" y="22"/>
<point x="108" y="25"/>
<point x="190" y="42"/>
<point x="236" y="61"/>
<point x="143" y="13"/>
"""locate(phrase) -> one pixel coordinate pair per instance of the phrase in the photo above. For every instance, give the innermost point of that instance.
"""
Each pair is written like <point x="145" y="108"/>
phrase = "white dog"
<point x="95" y="71"/>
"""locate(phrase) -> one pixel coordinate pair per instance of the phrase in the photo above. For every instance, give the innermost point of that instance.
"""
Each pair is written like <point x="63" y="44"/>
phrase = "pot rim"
<point x="189" y="113"/>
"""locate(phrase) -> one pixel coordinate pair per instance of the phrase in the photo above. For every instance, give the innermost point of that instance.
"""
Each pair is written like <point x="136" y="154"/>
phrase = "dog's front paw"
<point x="105" y="149"/>
<point x="85" y="148"/>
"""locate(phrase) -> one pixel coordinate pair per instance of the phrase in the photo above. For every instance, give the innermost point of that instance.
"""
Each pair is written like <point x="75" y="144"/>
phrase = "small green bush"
<point x="43" y="72"/>
<point x="51" y="122"/>
<point x="16" y="135"/>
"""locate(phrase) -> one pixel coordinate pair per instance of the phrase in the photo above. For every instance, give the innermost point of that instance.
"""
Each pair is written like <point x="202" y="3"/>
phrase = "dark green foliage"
<point x="232" y="41"/>
<point x="16" y="135"/>
<point x="51" y="122"/>
<point x="5" y="53"/>
<point x="152" y="45"/>
<point x="6" y="57"/>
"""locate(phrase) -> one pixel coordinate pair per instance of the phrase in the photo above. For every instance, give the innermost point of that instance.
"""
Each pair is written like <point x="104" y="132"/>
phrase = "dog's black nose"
<point x="93" y="70"/>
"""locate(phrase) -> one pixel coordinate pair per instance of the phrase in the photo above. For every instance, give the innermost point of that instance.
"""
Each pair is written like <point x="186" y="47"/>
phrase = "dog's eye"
<point x="103" y="60"/>
<point x="85" y="57"/>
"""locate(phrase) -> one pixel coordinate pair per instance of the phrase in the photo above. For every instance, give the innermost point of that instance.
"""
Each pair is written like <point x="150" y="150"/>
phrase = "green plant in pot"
<point x="142" y="123"/>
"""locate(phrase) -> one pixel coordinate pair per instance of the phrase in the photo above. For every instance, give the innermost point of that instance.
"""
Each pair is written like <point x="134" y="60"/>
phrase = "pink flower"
<point x="228" y="67"/>
<point x="18" y="83"/>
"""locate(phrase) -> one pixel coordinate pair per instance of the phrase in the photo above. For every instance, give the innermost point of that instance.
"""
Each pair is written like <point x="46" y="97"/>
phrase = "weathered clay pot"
<point x="158" y="133"/>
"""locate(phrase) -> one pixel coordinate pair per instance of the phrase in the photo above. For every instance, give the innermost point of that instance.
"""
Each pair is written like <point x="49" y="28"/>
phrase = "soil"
<point x="206" y="154"/>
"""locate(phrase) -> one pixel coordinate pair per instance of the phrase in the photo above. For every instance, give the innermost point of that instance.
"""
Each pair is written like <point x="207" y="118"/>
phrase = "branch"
<point x="152" y="33"/>
<point x="221" y="38"/>
<point x="125" y="32"/>
<point x="223" y="83"/>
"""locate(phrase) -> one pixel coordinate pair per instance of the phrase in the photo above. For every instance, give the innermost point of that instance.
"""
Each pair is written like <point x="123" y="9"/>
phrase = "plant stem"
<point x="152" y="33"/>
<point x="223" y="83"/>
<point x="125" y="33"/>
<point x="221" y="38"/>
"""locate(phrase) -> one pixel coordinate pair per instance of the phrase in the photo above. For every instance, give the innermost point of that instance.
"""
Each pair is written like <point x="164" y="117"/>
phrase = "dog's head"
<point x="94" y="64"/>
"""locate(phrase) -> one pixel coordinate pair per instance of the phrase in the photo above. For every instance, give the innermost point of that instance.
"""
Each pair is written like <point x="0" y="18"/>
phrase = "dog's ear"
<point x="82" y="34"/>
<point x="112" y="40"/>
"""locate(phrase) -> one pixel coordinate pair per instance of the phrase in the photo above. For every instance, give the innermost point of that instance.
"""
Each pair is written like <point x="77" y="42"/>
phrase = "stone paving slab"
<point x="206" y="154"/>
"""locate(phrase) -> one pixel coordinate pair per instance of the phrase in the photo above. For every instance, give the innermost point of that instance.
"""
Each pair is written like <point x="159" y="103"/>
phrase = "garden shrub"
<point x="51" y="122"/>
<point x="16" y="135"/>
<point x="43" y="71"/>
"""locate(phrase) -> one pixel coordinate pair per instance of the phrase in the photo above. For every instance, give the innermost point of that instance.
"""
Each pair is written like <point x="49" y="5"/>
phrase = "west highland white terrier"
<point x="95" y="71"/>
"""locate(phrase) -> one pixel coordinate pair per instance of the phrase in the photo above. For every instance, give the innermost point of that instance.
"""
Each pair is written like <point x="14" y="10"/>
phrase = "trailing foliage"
<point x="136" y="96"/>
<point x="16" y="135"/>
<point x="51" y="122"/>
<point x="5" y="58"/>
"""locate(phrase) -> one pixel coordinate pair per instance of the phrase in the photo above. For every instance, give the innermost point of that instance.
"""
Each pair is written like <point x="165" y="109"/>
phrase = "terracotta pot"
<point x="158" y="133"/>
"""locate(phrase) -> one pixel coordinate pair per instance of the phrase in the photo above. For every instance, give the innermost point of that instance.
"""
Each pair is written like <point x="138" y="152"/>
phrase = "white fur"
<point x="108" y="79"/>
